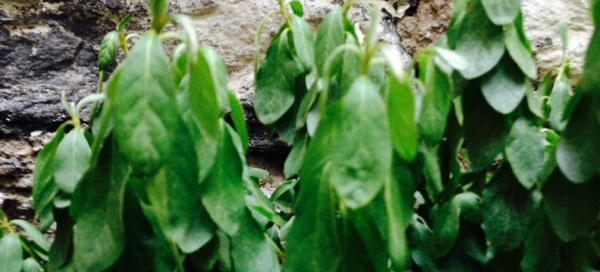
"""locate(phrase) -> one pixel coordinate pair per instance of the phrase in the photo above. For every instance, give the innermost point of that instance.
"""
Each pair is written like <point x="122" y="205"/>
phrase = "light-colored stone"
<point x="542" y="19"/>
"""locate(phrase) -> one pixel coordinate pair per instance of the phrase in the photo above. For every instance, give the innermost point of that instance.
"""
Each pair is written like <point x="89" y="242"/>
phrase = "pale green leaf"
<point x="525" y="148"/>
<point x="504" y="87"/>
<point x="32" y="233"/>
<point x="72" y="157"/>
<point x="502" y="12"/>
<point x="11" y="254"/>
<point x="518" y="50"/>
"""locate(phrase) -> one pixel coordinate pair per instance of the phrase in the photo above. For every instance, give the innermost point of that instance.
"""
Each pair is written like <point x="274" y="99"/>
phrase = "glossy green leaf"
<point x="329" y="36"/>
<point x="479" y="41"/>
<point x="504" y="87"/>
<point x="401" y="116"/>
<point x="560" y="98"/>
<point x="276" y="79"/>
<point x="436" y="104"/>
<point x="525" y="150"/>
<point x="223" y="189"/>
<point x="72" y="157"/>
<point x="578" y="152"/>
<point x="11" y="254"/>
<point x="485" y="130"/>
<point x="297" y="7"/>
<point x="239" y="120"/>
<point x="44" y="187"/>
<point x="251" y="251"/>
<point x="506" y="207"/>
<point x="97" y="207"/>
<point x="572" y="208"/>
<point x="518" y="51"/>
<point x="502" y="12"/>
<point x="304" y="42"/>
<point x="32" y="233"/>
<point x="30" y="265"/>
<point x="108" y="50"/>
<point x="356" y="173"/>
<point x="142" y="91"/>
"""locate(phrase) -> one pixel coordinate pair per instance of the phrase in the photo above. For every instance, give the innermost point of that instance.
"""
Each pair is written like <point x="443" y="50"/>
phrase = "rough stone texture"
<point x="542" y="19"/>
<point x="426" y="25"/>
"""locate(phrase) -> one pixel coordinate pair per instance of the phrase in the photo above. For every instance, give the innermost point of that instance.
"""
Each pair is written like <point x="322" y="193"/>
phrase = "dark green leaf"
<point x="108" y="50"/>
<point x="518" y="51"/>
<point x="502" y="12"/>
<point x="485" y="130"/>
<point x="44" y="187"/>
<point x="447" y="220"/>
<point x="401" y="116"/>
<point x="469" y="251"/>
<point x="142" y="91"/>
<point x="578" y="153"/>
<point x="239" y="120"/>
<point x="11" y="254"/>
<point x="62" y="246"/>
<point x="560" y="98"/>
<point x="33" y="233"/>
<point x="304" y="42"/>
<point x="579" y="255"/>
<point x="356" y="173"/>
<point x="433" y="171"/>
<point x="223" y="189"/>
<point x="572" y="208"/>
<point x="329" y="36"/>
<point x="437" y="101"/>
<point x="589" y="79"/>
<point x="506" y="207"/>
<point x="504" y="86"/>
<point x="525" y="150"/>
<point x="297" y="8"/>
<point x="479" y="41"/>
<point x="459" y="10"/>
<point x="30" y="265"/>
<point x="541" y="246"/>
<point x="124" y="23"/>
<point x="73" y="156"/>
<point x="422" y="246"/>
<point x="276" y="79"/>
<point x="371" y="224"/>
<point x="97" y="207"/>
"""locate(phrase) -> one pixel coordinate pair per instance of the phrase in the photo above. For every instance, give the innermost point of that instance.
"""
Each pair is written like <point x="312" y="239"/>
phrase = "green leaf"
<point x="485" y="130"/>
<point x="72" y="157"/>
<point x="433" y="171"/>
<point x="208" y="92"/>
<point x="124" y="23"/>
<point x="502" y="12"/>
<point x="372" y="224"/>
<point x="437" y="102"/>
<point x="469" y="251"/>
<point x="304" y="42"/>
<point x="519" y="50"/>
<point x="356" y="173"/>
<point x="33" y="233"/>
<point x="239" y="120"/>
<point x="578" y="152"/>
<point x="399" y="202"/>
<point x="142" y="91"/>
<point x="294" y="161"/>
<point x="97" y="207"/>
<point x="223" y="189"/>
<point x="504" y="87"/>
<point x="447" y="220"/>
<point x="541" y="247"/>
<point x="479" y="41"/>
<point x="589" y="79"/>
<point x="401" y="116"/>
<point x="579" y="255"/>
<point x="506" y="207"/>
<point x="159" y="9"/>
<point x="460" y="9"/>
<point x="329" y="36"/>
<point x="423" y="246"/>
<point x="297" y="8"/>
<point x="251" y="251"/>
<point x="525" y="150"/>
<point x="560" y="98"/>
<point x="108" y="50"/>
<point x="276" y="79"/>
<point x="62" y="246"/>
<point x="572" y="208"/>
<point x="44" y="187"/>
<point x="30" y="265"/>
<point x="11" y="254"/>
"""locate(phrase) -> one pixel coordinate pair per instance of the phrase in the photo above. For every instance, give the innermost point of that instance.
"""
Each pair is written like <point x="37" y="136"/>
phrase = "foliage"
<point x="463" y="167"/>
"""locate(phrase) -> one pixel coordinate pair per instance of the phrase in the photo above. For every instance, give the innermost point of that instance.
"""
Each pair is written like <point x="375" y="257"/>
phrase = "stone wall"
<point x="49" y="46"/>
